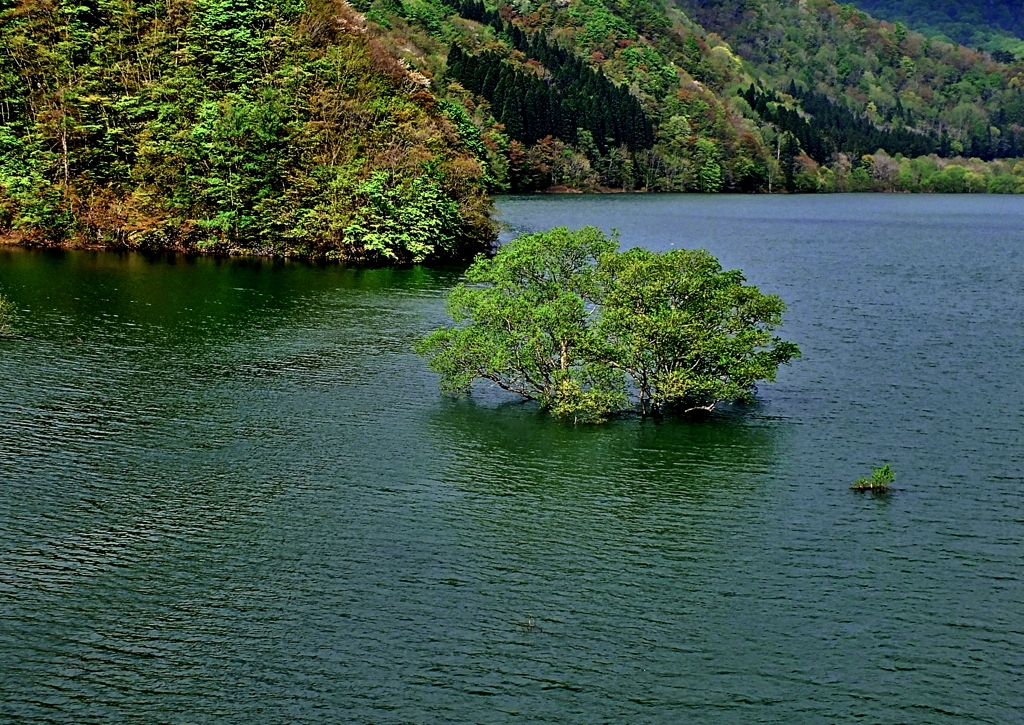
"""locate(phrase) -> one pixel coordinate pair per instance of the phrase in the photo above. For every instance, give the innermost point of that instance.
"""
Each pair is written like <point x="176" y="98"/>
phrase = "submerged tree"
<point x="688" y="333"/>
<point x="524" y="322"/>
<point x="565" y="319"/>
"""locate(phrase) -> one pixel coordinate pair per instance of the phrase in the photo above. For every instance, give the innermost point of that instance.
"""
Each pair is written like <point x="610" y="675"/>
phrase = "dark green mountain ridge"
<point x="994" y="25"/>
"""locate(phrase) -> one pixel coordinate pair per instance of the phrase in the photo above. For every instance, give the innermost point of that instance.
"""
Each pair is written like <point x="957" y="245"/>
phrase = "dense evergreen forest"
<point x="825" y="128"/>
<point x="376" y="130"/>
<point x="577" y="100"/>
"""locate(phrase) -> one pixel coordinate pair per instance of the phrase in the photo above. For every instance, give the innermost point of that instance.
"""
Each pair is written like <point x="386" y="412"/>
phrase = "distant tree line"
<point x="970" y="22"/>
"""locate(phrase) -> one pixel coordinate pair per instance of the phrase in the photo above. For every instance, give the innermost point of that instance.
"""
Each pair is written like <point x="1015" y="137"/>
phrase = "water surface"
<point x="230" y="493"/>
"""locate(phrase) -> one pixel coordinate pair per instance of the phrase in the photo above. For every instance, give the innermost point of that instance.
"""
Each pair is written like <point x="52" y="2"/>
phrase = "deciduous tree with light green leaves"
<point x="688" y="333"/>
<point x="565" y="319"/>
<point x="524" y="322"/>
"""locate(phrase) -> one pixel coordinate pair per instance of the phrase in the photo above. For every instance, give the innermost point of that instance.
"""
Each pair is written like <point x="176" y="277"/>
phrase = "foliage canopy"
<point x="306" y="127"/>
<point x="565" y="319"/>
<point x="267" y="126"/>
<point x="992" y="24"/>
<point x="634" y="94"/>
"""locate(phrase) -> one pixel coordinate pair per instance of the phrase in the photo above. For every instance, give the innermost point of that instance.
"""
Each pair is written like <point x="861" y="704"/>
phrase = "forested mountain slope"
<point x="268" y="126"/>
<point x="584" y="94"/>
<point x="892" y="77"/>
<point x="375" y="130"/>
<point x="996" y="25"/>
<point x="823" y="54"/>
<point x="740" y="95"/>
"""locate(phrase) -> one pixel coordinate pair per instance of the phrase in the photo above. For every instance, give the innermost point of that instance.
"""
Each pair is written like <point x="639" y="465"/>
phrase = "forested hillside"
<point x="376" y="130"/>
<point x="585" y="94"/>
<point x="892" y="76"/>
<point x="740" y="95"/>
<point x="826" y="55"/>
<point x="996" y="25"/>
<point x="268" y="126"/>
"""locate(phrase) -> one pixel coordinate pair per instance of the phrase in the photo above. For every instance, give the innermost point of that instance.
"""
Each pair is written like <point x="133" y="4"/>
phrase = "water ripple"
<point x="232" y="494"/>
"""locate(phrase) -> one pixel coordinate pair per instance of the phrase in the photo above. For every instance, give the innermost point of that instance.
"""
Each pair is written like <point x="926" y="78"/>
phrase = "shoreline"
<point x="24" y="241"/>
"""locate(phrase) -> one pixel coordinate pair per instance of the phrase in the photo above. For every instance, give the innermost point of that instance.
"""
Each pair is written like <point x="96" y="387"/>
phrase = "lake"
<point x="231" y="493"/>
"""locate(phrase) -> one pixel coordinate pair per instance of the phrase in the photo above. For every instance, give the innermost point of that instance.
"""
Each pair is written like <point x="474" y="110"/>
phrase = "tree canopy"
<point x="565" y="319"/>
<point x="634" y="94"/>
<point x="270" y="126"/>
<point x="990" y="24"/>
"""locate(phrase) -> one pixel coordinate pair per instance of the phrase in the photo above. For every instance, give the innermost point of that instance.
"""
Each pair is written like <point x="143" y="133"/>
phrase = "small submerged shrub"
<point x="881" y="479"/>
<point x="7" y="317"/>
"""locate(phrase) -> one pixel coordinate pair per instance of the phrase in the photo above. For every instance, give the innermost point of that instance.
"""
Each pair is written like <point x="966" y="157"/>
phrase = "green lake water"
<point x="229" y="492"/>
